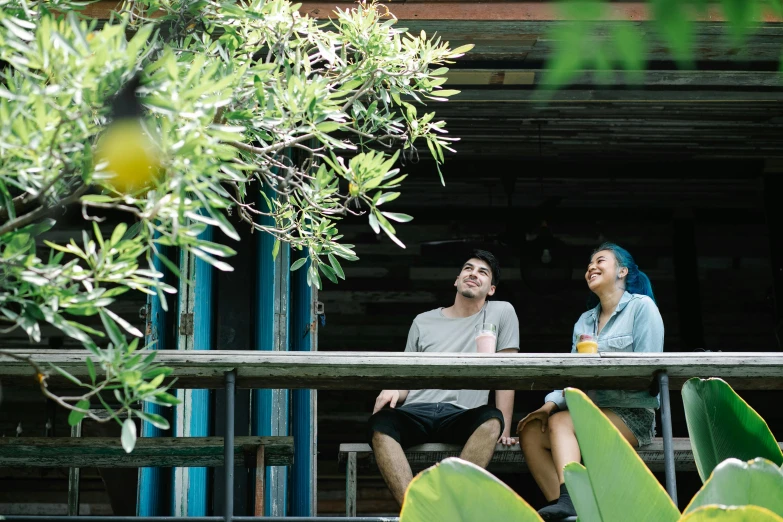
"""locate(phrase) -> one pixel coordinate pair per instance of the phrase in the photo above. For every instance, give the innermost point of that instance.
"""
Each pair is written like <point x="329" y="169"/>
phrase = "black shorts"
<point x="419" y="423"/>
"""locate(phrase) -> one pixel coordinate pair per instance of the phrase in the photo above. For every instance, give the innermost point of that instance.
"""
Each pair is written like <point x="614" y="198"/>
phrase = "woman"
<point x="626" y="319"/>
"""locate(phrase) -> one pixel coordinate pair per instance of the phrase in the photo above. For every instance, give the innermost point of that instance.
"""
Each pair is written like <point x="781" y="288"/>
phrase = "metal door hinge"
<point x="186" y="324"/>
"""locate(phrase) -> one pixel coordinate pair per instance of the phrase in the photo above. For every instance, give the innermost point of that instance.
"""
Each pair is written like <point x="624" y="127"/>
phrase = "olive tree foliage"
<point x="288" y="122"/>
<point x="592" y="40"/>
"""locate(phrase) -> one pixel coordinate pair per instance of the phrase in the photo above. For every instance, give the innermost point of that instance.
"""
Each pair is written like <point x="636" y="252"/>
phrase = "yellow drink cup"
<point x="587" y="344"/>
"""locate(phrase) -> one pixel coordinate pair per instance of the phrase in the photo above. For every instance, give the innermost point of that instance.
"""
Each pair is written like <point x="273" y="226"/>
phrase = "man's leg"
<point x="389" y="430"/>
<point x="481" y="445"/>
<point x="393" y="465"/>
<point x="477" y="429"/>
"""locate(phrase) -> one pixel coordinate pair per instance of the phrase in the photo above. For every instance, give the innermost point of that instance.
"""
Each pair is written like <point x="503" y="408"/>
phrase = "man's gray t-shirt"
<point x="435" y="333"/>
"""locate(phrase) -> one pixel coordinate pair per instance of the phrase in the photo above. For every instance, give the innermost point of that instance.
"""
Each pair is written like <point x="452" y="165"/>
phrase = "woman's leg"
<point x="538" y="456"/>
<point x="565" y="448"/>
<point x="549" y="453"/>
<point x="620" y="425"/>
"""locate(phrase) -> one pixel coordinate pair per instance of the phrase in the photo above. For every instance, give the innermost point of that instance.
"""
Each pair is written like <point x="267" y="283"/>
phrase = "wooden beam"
<point x="670" y="79"/>
<point x="107" y="452"/>
<point x="374" y="371"/>
<point x="469" y="10"/>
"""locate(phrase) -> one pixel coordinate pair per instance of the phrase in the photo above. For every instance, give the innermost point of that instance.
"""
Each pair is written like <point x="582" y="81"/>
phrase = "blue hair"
<point x="636" y="282"/>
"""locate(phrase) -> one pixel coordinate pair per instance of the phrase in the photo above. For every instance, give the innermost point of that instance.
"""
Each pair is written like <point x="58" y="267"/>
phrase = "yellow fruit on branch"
<point x="129" y="156"/>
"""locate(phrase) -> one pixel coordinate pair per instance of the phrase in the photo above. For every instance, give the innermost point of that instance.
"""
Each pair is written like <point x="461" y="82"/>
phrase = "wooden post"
<point x="773" y="184"/>
<point x="350" y="485"/>
<point x="260" y="476"/>
<point x="149" y="490"/>
<point x="686" y="273"/>
<point x="73" y="479"/>
<point x="270" y="406"/>
<point x="304" y="335"/>
<point x="193" y="416"/>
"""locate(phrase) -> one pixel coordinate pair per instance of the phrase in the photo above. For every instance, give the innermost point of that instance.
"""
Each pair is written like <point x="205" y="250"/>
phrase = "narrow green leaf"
<point x="67" y="375"/>
<point x="581" y="491"/>
<point x="675" y="26"/>
<point x="338" y="269"/>
<point x="119" y="231"/>
<point x="90" y="369"/>
<point x="461" y="50"/>
<point x="115" y="334"/>
<point x="328" y="272"/>
<point x="328" y="126"/>
<point x="298" y="264"/>
<point x="167" y="398"/>
<point x="622" y="484"/>
<point x="125" y="324"/>
<point x="445" y="93"/>
<point x="374" y="223"/>
<point x="220" y="265"/>
<point x="156" y="420"/>
<point x="395" y="216"/>
<point x="75" y="417"/>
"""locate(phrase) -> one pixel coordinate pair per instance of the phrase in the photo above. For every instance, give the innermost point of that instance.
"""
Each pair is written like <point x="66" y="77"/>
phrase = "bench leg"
<point x="73" y="479"/>
<point x="228" y="446"/>
<point x="260" y="477"/>
<point x="668" y="444"/>
<point x="350" y="486"/>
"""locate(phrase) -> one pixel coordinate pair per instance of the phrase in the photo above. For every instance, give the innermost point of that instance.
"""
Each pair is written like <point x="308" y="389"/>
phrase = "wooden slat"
<point x="632" y="11"/>
<point x="372" y="370"/>
<point x="107" y="452"/>
<point x="467" y="10"/>
<point x="650" y="78"/>
<point x="511" y="459"/>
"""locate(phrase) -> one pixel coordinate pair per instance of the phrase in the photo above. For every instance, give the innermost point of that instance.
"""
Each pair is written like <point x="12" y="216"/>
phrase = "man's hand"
<point x="506" y="439"/>
<point x="541" y="414"/>
<point x="389" y="397"/>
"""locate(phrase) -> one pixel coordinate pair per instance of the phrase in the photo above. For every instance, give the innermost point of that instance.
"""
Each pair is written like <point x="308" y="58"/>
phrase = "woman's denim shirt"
<point x="635" y="326"/>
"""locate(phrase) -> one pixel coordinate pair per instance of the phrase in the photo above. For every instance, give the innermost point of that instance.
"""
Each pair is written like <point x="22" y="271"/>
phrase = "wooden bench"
<point x="354" y="457"/>
<point x="162" y="452"/>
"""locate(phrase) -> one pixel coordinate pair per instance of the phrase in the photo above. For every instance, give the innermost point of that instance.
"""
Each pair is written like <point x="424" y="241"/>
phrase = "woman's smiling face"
<point x="603" y="272"/>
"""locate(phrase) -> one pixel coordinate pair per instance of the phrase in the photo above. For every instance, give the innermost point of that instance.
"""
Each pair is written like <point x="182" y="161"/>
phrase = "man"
<point x="449" y="416"/>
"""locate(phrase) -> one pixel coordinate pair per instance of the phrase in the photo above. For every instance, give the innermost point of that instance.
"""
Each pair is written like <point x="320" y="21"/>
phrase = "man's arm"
<point x="504" y="400"/>
<point x="392" y="398"/>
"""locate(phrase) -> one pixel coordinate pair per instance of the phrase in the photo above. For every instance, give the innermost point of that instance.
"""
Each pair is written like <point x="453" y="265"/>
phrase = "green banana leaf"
<point x="623" y="486"/>
<point x="722" y="426"/>
<point x="731" y="514"/>
<point x="737" y="483"/>
<point x="456" y="490"/>
<point x="581" y="491"/>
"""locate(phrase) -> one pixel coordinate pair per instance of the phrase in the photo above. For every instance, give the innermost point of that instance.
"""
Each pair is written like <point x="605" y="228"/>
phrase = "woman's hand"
<point x="542" y="414"/>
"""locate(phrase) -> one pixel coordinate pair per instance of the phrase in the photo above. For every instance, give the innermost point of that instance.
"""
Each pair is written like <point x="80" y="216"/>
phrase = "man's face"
<point x="475" y="280"/>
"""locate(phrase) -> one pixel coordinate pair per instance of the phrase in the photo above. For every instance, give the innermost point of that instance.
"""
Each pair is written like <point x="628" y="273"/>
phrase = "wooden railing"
<point x="375" y="371"/>
<point x="357" y="370"/>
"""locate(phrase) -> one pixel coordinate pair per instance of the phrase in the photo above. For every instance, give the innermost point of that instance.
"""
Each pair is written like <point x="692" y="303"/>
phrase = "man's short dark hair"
<point x="489" y="259"/>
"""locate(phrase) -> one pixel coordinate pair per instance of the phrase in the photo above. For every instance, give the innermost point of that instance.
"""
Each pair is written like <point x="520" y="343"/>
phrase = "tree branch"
<point x="42" y="211"/>
<point x="270" y="148"/>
